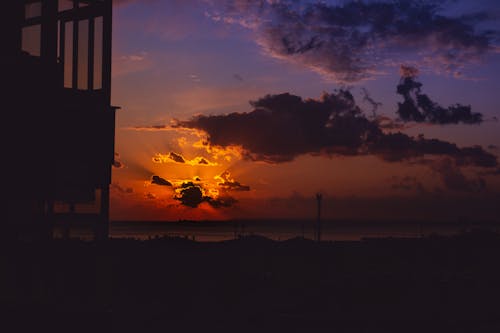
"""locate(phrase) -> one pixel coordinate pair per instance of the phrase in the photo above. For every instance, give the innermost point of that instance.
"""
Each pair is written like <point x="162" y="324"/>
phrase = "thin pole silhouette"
<point x="319" y="197"/>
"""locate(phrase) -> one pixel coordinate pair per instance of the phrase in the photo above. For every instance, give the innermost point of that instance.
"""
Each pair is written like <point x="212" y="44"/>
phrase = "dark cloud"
<point x="157" y="180"/>
<point x="282" y="127"/>
<point x="495" y="172"/>
<point x="420" y="108"/>
<point x="150" y="128"/>
<point x="117" y="187"/>
<point x="192" y="195"/>
<point x="127" y="2"/>
<point x="158" y="127"/>
<point x="228" y="183"/>
<point x="398" y="147"/>
<point x="203" y="161"/>
<point x="407" y="183"/>
<point x="349" y="41"/>
<point x="387" y="123"/>
<point x="453" y="178"/>
<point x="176" y="157"/>
<point x="117" y="163"/>
<point x="237" y="77"/>
<point x="222" y="202"/>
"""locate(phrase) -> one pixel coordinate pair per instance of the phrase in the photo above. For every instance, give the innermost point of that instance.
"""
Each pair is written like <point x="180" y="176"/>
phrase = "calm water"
<point x="282" y="230"/>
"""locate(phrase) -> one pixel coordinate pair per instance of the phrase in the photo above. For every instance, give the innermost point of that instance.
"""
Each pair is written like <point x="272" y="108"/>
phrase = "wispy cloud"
<point x="454" y="179"/>
<point x="116" y="187"/>
<point x="131" y="63"/>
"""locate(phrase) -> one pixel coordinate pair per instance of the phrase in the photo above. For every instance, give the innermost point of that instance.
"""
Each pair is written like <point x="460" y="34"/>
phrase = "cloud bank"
<point x="284" y="126"/>
<point x="353" y="40"/>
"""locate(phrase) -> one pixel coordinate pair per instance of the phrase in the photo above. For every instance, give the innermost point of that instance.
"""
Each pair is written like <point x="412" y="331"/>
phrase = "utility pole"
<point x="319" y="197"/>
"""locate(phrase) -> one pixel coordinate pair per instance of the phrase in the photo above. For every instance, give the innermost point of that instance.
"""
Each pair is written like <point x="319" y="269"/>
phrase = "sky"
<point x="236" y="109"/>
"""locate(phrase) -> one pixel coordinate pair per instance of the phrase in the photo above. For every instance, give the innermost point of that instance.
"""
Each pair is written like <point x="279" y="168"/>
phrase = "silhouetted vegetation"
<point x="254" y="284"/>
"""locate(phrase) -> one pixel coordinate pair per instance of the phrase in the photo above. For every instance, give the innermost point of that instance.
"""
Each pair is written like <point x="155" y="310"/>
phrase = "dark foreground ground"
<point x="252" y="284"/>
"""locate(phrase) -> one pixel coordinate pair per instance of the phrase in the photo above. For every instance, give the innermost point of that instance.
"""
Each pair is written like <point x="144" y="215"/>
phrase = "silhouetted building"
<point x="58" y="123"/>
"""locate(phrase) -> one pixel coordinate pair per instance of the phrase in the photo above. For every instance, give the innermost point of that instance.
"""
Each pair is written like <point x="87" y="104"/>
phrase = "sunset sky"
<point x="247" y="108"/>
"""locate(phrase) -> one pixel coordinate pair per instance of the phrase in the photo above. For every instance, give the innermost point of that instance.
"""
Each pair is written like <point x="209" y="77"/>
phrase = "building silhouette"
<point x="58" y="122"/>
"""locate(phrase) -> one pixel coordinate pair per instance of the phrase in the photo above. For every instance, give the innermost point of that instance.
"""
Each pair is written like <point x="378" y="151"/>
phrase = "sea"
<point x="280" y="230"/>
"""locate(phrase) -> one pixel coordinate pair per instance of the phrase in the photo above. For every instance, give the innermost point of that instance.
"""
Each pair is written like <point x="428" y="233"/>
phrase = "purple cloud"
<point x="354" y="40"/>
